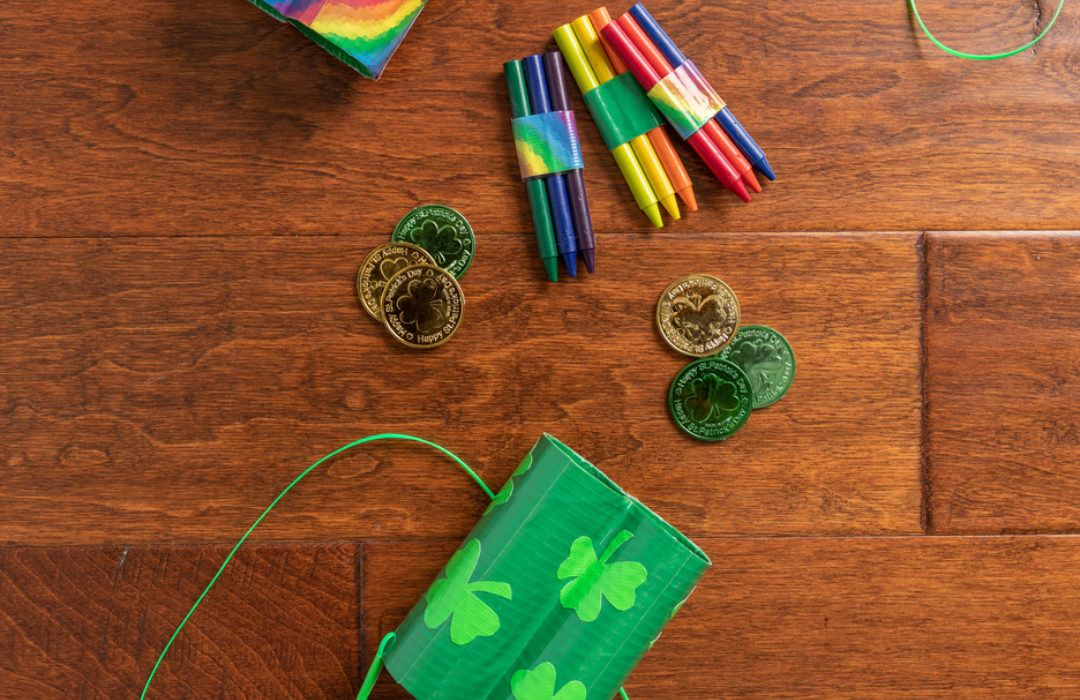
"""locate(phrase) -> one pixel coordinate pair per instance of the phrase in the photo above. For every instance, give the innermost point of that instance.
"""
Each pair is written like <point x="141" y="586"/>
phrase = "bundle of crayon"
<point x="630" y="125"/>
<point x="687" y="100"/>
<point x="545" y="136"/>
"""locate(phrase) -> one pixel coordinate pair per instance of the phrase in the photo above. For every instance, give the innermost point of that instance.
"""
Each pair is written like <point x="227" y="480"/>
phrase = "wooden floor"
<point x="187" y="189"/>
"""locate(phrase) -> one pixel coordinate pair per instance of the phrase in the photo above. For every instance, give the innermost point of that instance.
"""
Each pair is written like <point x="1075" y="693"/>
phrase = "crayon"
<point x="575" y="179"/>
<point x="643" y="148"/>
<point x="538" y="199"/>
<point x="710" y="128"/>
<point x="648" y="77"/>
<point x="624" y="156"/>
<point x="727" y="120"/>
<point x="673" y="165"/>
<point x="536" y="81"/>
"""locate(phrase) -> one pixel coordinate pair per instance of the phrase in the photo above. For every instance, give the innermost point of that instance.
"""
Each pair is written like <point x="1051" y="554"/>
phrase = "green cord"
<point x="361" y="441"/>
<point x="376" y="665"/>
<point x="985" y="56"/>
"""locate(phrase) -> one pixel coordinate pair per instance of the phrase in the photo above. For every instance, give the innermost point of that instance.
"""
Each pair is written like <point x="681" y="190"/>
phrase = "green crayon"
<point x="538" y="199"/>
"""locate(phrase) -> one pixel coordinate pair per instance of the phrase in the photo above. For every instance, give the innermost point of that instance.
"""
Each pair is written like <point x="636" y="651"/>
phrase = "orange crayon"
<point x="658" y="137"/>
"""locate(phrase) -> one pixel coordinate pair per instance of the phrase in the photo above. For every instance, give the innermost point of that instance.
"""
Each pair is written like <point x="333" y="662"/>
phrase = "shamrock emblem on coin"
<point x="594" y="580"/>
<point x="454" y="598"/>
<point x="391" y="266"/>
<point x="697" y="318"/>
<point x="441" y="240"/>
<point x="761" y="361"/>
<point x="539" y="684"/>
<point x="421" y="305"/>
<point x="709" y="395"/>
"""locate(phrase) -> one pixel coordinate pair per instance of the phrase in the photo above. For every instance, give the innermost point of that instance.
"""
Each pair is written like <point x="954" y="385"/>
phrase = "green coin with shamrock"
<point x="443" y="232"/>
<point x="711" y="398"/>
<point x="766" y="358"/>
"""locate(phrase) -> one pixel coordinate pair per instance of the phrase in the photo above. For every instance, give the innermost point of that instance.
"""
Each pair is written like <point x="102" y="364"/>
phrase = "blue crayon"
<point x="724" y="117"/>
<point x="565" y="237"/>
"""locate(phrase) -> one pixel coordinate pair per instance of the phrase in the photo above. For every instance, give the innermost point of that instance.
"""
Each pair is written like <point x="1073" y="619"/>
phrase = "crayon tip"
<point x="551" y="266"/>
<point x="569" y="259"/>
<point x="751" y="180"/>
<point x="765" y="169"/>
<point x="672" y="206"/>
<point x="589" y="254"/>
<point x="686" y="194"/>
<point x="740" y="189"/>
<point x="653" y="212"/>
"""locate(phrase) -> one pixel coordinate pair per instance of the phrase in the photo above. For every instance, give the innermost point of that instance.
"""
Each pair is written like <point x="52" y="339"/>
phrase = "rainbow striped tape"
<point x="362" y="33"/>
<point x="686" y="99"/>
<point x="547" y="143"/>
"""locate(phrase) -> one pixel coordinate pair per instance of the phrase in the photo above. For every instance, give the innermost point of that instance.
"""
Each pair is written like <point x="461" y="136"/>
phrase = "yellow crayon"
<point x="643" y="149"/>
<point x="627" y="161"/>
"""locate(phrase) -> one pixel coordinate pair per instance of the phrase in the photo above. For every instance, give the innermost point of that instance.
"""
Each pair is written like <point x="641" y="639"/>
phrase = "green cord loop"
<point x="376" y="666"/>
<point x="984" y="56"/>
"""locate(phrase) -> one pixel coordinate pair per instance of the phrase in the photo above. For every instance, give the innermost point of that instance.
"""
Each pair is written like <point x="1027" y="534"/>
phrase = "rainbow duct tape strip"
<point x="361" y="33"/>
<point x="546" y="143"/>
<point x="686" y="98"/>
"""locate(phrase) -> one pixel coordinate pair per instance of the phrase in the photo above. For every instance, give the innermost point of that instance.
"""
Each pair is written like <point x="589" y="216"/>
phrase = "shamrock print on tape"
<point x="594" y="578"/>
<point x="539" y="684"/>
<point x="508" y="488"/>
<point x="455" y="597"/>
<point x="710" y="395"/>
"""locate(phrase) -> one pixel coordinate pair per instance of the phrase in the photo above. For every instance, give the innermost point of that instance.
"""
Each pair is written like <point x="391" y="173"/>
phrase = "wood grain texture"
<point x="875" y="617"/>
<point x="90" y="622"/>
<point x="161" y="118"/>
<point x="1003" y="382"/>
<point x="167" y="389"/>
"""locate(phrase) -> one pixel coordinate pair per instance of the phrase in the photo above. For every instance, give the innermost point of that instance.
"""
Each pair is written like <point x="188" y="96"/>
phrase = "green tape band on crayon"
<point x="559" y="590"/>
<point x="686" y="99"/>
<point x="546" y="143"/>
<point x="621" y="110"/>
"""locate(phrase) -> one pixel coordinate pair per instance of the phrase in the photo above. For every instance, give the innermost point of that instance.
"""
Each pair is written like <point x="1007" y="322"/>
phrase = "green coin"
<point x="767" y="359"/>
<point x="710" y="398"/>
<point x="443" y="232"/>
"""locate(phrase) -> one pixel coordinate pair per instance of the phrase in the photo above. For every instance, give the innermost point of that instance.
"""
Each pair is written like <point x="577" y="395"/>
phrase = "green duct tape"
<point x="621" y="110"/>
<point x="561" y="588"/>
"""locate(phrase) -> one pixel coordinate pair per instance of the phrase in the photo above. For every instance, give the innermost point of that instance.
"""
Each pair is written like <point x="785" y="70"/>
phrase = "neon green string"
<point x="376" y="665"/>
<point x="984" y="56"/>
<point x="361" y="441"/>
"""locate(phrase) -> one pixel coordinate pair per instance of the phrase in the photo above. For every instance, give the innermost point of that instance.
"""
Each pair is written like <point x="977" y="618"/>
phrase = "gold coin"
<point x="698" y="315"/>
<point x="422" y="306"/>
<point x="380" y="265"/>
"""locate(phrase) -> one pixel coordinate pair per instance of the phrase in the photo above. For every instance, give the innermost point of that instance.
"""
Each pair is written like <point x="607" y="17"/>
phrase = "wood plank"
<point x="832" y="618"/>
<point x="169" y="119"/>
<point x="90" y="622"/>
<point x="1003" y="382"/>
<point x="166" y="389"/>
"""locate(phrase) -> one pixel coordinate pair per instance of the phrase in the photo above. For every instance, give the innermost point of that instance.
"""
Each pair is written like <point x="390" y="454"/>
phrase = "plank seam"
<point x="926" y="514"/>
<point x="358" y="670"/>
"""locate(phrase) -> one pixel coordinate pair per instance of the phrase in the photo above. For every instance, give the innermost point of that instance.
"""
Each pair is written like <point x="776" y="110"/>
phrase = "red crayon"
<point x="648" y="77"/>
<point x="712" y="130"/>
